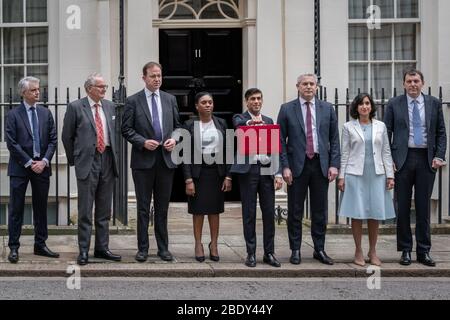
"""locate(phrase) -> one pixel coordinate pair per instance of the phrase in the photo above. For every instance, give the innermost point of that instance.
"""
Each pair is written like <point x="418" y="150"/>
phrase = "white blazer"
<point x="353" y="149"/>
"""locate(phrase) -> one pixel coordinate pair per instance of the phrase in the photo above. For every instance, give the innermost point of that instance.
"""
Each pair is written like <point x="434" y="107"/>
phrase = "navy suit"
<point x="414" y="168"/>
<point x="252" y="183"/>
<point x="308" y="173"/>
<point x="19" y="140"/>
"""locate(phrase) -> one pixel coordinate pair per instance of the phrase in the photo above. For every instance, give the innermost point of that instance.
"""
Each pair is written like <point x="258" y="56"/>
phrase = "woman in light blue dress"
<point x="366" y="176"/>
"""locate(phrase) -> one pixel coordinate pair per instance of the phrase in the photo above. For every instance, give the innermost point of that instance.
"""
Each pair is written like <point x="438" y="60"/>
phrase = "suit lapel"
<point x="298" y="112"/>
<point x="428" y="111"/>
<point x="24" y="116"/>
<point x="41" y="119"/>
<point x="319" y="110"/>
<point x="166" y="113"/>
<point x="358" y="129"/>
<point x="142" y="100"/>
<point x="88" y="111"/>
<point x="108" y="116"/>
<point x="405" y="110"/>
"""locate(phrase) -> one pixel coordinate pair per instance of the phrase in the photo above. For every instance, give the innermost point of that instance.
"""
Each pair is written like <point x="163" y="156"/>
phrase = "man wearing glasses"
<point x="88" y="138"/>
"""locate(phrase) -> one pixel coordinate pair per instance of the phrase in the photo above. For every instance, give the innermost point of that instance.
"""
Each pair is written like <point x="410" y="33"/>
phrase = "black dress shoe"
<point x="108" y="255"/>
<point x="405" y="259"/>
<point x="295" y="257"/>
<point x="141" y="256"/>
<point x="82" y="258"/>
<point x="165" y="255"/>
<point x="13" y="256"/>
<point x="322" y="257"/>
<point x="211" y="257"/>
<point x="45" y="252"/>
<point x="251" y="260"/>
<point x="271" y="260"/>
<point x="424" y="258"/>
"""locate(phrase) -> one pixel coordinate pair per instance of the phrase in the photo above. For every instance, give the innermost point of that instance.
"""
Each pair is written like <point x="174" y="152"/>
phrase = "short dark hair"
<point x="413" y="72"/>
<point x="150" y="64"/>
<point x="359" y="100"/>
<point x="199" y="95"/>
<point x="251" y="92"/>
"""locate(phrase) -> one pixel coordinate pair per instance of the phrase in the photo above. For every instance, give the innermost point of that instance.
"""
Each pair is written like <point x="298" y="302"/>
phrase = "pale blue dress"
<point x="366" y="196"/>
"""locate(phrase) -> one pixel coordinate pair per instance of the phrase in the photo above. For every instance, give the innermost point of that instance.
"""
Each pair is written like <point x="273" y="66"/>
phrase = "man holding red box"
<point x="253" y="181"/>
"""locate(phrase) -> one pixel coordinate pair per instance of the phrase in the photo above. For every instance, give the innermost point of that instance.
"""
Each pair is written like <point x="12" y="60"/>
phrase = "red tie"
<point x="309" y="133"/>
<point x="99" y="127"/>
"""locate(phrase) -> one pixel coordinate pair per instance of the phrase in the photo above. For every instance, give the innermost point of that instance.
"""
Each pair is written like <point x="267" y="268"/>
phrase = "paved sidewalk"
<point x="232" y="255"/>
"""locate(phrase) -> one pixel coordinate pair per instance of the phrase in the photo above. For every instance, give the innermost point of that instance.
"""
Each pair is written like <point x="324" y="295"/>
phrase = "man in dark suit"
<point x="416" y="130"/>
<point x="253" y="182"/>
<point x="31" y="140"/>
<point x="89" y="141"/>
<point x="150" y="117"/>
<point x="310" y="158"/>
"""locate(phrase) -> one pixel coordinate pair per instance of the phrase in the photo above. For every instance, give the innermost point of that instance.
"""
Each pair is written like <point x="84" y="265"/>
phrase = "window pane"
<point x="13" y="45"/>
<point x="51" y="213"/>
<point x="405" y="41"/>
<point x="37" y="10"/>
<point x="357" y="42"/>
<point x="407" y="9"/>
<point x="40" y="72"/>
<point x="381" y="77"/>
<point x="12" y="77"/>
<point x="12" y="11"/>
<point x="357" y="79"/>
<point x="357" y="9"/>
<point x="27" y="213"/>
<point x="386" y="7"/>
<point x="399" y="68"/>
<point x="381" y="43"/>
<point x="37" y="39"/>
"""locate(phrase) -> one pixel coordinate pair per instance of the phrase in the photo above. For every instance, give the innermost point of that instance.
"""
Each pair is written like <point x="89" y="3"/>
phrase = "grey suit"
<point x="152" y="170"/>
<point x="308" y="173"/>
<point x="414" y="168"/>
<point x="95" y="172"/>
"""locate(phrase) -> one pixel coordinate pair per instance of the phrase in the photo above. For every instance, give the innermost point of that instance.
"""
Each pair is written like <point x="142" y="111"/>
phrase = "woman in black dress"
<point x="208" y="180"/>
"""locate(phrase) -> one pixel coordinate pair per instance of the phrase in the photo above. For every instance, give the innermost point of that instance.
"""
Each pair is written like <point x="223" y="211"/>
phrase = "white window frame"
<point x="369" y="62"/>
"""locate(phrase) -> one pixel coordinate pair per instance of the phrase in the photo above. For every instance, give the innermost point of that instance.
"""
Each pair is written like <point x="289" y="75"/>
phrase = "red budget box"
<point x="260" y="139"/>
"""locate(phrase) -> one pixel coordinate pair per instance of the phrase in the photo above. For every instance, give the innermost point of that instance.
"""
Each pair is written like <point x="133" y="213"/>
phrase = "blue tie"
<point x="155" y="119"/>
<point x="36" y="138"/>
<point x="417" y="125"/>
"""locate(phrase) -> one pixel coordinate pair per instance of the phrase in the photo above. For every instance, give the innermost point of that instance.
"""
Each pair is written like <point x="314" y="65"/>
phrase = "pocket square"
<point x="113" y="117"/>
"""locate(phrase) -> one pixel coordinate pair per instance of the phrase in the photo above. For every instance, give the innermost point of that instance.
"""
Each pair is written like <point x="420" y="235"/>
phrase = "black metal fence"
<point x="120" y="205"/>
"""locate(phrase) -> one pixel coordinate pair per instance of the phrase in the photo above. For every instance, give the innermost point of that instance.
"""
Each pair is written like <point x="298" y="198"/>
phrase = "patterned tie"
<point x="155" y="119"/>
<point x="417" y="125"/>
<point x="99" y="128"/>
<point x="36" y="137"/>
<point x="309" y="133"/>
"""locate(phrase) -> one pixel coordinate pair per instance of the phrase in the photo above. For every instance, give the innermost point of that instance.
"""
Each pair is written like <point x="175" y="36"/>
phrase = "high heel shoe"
<point x="211" y="257"/>
<point x="200" y="258"/>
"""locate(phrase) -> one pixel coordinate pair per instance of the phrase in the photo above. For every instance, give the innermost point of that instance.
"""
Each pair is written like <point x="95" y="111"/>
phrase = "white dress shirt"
<point x="92" y="103"/>
<point x="312" y="105"/>
<point x="421" y="105"/>
<point x="148" y="95"/>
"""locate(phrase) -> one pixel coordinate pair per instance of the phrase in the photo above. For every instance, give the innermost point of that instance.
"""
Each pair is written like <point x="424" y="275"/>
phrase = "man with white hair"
<point x="89" y="141"/>
<point x="31" y="140"/>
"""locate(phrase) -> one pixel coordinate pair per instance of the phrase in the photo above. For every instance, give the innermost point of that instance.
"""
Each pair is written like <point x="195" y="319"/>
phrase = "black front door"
<point x="197" y="60"/>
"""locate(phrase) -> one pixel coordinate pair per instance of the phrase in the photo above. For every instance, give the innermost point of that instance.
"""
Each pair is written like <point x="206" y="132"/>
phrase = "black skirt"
<point x="209" y="197"/>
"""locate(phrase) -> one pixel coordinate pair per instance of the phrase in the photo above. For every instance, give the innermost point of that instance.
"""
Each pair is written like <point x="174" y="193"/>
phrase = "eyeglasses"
<point x="102" y="87"/>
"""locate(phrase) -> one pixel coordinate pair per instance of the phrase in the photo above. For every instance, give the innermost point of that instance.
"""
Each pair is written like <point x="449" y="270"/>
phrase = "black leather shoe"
<point x="13" y="256"/>
<point x="295" y="257"/>
<point x="271" y="260"/>
<point x="200" y="258"/>
<point x="45" y="252"/>
<point x="322" y="257"/>
<point x="211" y="257"/>
<point x="250" y="261"/>
<point x="424" y="258"/>
<point x="82" y="258"/>
<point x="141" y="256"/>
<point x="165" y="255"/>
<point x="108" y="255"/>
<point x="405" y="259"/>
